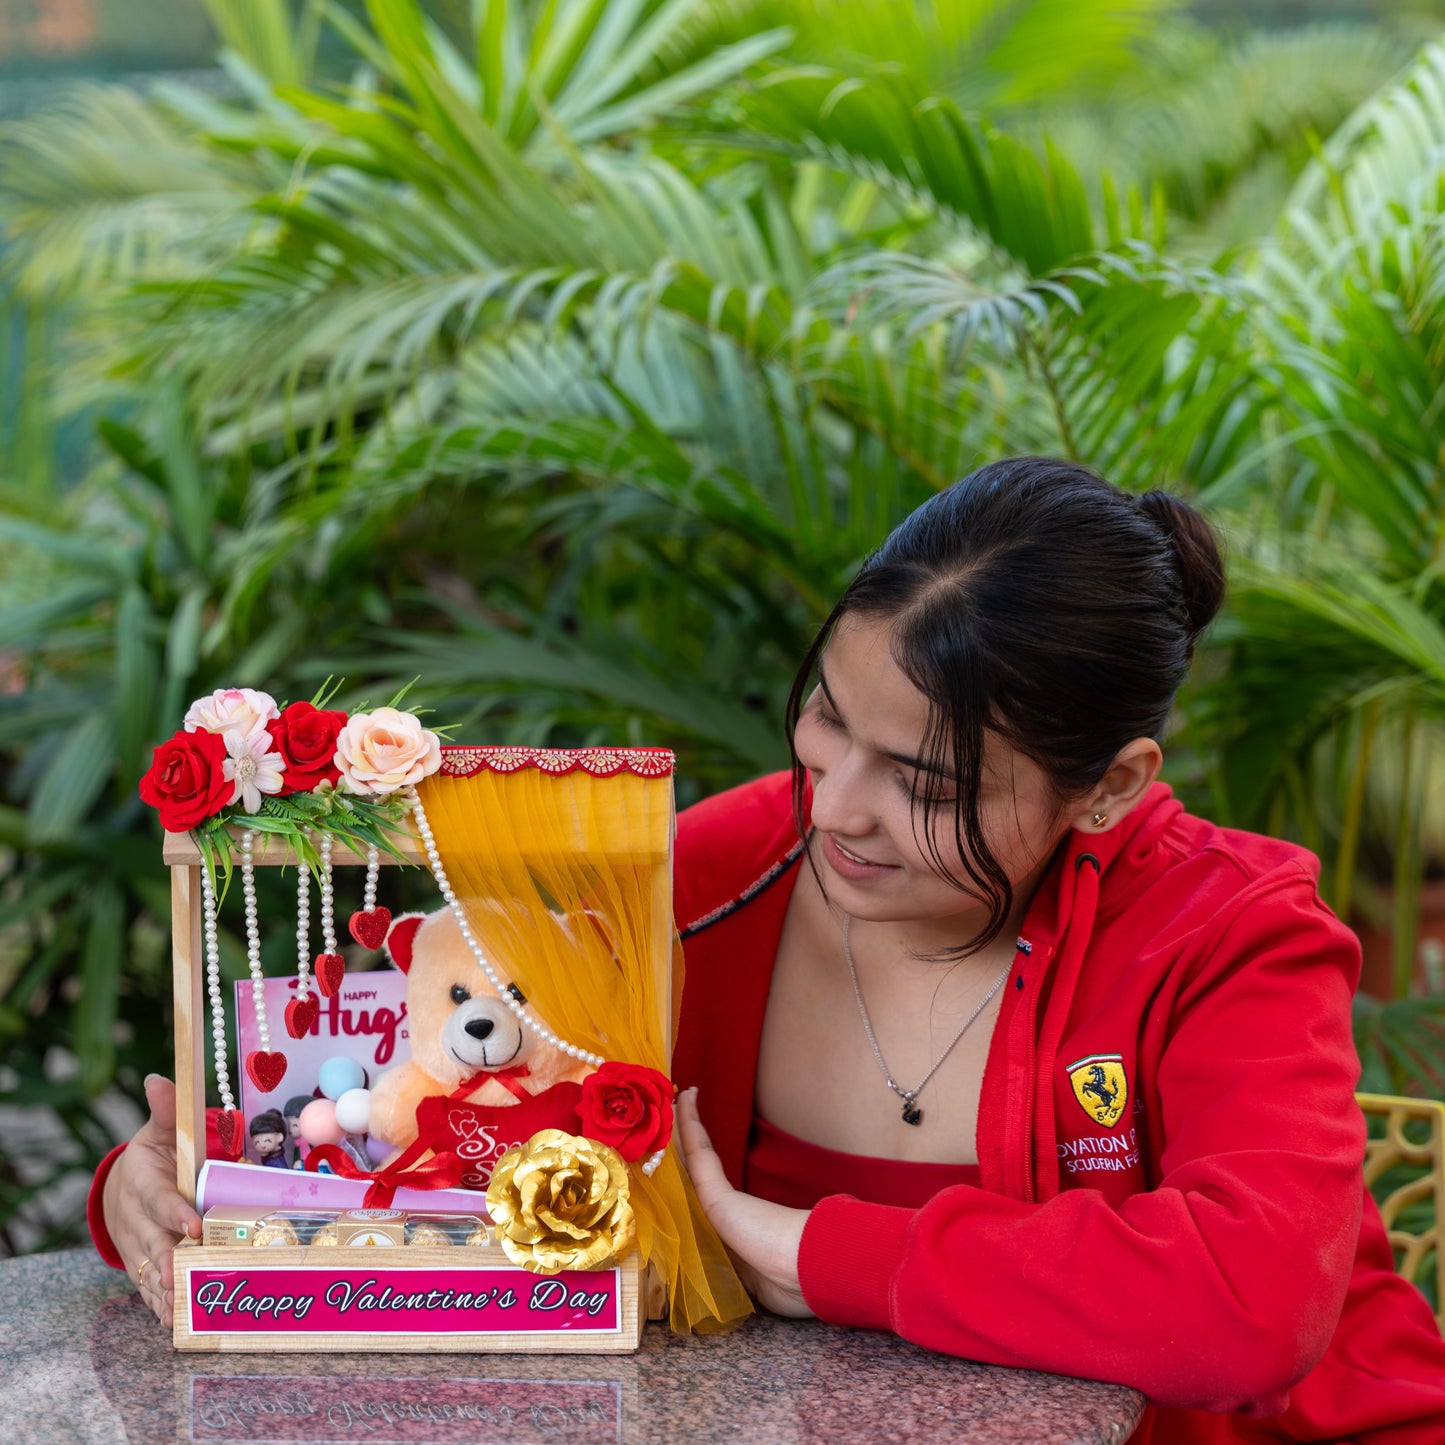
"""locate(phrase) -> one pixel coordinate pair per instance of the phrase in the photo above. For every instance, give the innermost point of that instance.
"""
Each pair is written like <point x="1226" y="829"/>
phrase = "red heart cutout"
<point x="370" y="929"/>
<point x="231" y="1128"/>
<point x="266" y="1070"/>
<point x="301" y="1015"/>
<point x="330" y="970"/>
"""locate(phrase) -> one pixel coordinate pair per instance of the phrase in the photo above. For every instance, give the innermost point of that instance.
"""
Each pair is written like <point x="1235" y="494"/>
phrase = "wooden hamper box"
<point x="420" y="1298"/>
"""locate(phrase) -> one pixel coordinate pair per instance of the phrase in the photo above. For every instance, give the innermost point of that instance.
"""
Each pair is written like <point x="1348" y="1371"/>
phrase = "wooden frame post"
<point x="190" y="1024"/>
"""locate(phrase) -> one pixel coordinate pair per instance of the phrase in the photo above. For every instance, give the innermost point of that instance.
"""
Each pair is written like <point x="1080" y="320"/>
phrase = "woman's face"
<point x="860" y="735"/>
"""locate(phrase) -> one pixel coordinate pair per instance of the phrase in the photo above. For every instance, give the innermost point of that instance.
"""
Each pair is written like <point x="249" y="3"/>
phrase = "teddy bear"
<point x="478" y="1081"/>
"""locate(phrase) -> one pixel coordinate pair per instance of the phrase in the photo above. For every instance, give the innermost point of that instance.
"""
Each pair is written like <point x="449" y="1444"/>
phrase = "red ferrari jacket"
<point x="1169" y="1145"/>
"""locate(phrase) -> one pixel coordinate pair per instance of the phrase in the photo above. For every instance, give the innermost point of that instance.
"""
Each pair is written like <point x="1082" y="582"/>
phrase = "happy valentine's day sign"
<point x="310" y="1299"/>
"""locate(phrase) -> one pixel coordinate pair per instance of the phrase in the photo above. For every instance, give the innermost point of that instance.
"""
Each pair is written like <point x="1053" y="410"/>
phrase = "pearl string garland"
<point x="373" y="872"/>
<point x="213" y="989"/>
<point x="573" y="1051"/>
<point x="303" y="924"/>
<point x="253" y="940"/>
<point x="328" y="916"/>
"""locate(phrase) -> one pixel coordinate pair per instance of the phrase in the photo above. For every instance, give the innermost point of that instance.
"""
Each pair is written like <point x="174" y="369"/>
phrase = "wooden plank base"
<point x="295" y="1300"/>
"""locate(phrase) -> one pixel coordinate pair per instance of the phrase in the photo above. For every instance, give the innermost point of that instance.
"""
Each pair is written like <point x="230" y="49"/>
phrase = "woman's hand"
<point x="144" y="1210"/>
<point x="762" y="1237"/>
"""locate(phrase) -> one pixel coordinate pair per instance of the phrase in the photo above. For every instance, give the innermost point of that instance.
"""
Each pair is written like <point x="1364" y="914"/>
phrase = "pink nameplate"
<point x="333" y="1299"/>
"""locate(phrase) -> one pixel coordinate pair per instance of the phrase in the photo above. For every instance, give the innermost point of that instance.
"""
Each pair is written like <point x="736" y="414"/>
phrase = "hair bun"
<point x="1197" y="555"/>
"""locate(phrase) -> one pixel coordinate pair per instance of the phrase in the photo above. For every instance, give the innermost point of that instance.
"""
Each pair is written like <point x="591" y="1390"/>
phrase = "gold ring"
<point x="140" y="1272"/>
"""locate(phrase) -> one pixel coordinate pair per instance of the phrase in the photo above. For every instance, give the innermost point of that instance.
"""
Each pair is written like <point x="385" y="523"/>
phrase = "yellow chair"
<point x="1422" y="1153"/>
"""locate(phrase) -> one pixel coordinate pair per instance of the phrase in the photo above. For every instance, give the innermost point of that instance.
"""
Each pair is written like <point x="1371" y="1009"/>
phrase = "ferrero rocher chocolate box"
<point x="229" y="1225"/>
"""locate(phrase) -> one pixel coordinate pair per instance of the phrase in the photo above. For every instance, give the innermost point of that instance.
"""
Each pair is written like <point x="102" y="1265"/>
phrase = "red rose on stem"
<point x="186" y="781"/>
<point x="629" y="1107"/>
<point x="305" y="736"/>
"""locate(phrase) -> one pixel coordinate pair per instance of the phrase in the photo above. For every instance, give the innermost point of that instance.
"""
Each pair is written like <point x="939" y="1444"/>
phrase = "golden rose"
<point x="560" y="1202"/>
<point x="384" y="750"/>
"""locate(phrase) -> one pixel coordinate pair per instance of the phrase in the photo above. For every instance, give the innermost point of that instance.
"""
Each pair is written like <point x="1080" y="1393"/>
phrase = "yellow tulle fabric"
<point x="521" y="848"/>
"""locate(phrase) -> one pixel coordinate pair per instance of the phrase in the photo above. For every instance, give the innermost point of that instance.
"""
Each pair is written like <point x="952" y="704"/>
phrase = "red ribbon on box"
<point x="441" y="1171"/>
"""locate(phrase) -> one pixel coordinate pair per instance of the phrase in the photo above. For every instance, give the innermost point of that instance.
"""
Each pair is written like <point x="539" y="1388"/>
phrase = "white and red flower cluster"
<point x="238" y="747"/>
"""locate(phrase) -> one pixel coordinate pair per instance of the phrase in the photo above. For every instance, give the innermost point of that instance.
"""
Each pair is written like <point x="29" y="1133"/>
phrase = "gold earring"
<point x="1100" y="819"/>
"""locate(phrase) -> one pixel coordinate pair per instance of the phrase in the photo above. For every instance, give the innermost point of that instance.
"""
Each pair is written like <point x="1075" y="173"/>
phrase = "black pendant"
<point x="912" y="1114"/>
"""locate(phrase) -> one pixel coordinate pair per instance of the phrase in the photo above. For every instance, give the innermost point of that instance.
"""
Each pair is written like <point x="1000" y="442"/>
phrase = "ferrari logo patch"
<point x="1101" y="1087"/>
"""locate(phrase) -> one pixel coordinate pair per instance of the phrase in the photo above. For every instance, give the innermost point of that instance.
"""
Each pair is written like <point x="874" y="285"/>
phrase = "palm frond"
<point x="920" y="147"/>
<point x="108" y="187"/>
<point x="1385" y="158"/>
<point x="986" y="54"/>
<point x="1222" y="109"/>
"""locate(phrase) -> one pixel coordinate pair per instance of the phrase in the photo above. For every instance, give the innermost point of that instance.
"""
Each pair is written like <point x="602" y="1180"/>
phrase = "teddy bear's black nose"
<point x="480" y="1028"/>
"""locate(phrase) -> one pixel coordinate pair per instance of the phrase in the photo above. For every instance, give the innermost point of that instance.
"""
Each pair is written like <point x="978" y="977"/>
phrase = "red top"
<point x="788" y="1170"/>
<point x="1169" y="1147"/>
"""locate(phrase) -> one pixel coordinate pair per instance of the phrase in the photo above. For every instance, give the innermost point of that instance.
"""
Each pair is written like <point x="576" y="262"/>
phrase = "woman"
<point x="996" y="1047"/>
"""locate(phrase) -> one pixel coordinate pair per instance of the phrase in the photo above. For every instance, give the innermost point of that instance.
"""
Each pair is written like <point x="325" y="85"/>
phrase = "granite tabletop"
<point x="82" y="1360"/>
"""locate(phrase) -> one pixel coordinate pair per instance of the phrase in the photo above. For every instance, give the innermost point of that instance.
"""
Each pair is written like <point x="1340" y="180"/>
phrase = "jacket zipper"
<point x="1031" y="1015"/>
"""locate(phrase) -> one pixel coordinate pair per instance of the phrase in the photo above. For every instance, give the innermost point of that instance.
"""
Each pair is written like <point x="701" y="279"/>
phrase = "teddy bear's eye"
<point x="459" y="994"/>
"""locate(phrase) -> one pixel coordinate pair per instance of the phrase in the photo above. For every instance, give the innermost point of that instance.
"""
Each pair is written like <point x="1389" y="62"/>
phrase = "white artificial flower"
<point x="232" y="707"/>
<point x="254" y="766"/>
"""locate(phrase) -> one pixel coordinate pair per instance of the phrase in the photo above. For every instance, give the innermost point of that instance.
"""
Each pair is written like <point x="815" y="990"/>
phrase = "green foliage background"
<point x="571" y="355"/>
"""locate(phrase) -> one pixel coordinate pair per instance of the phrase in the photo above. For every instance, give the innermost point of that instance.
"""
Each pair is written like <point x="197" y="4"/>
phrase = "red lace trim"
<point x="463" y="762"/>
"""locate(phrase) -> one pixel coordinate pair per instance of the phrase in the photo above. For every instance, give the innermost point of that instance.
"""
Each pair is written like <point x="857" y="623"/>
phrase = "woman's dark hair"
<point x="1035" y="600"/>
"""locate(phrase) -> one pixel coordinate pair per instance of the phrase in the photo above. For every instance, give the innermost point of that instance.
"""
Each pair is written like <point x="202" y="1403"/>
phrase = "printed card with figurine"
<point x="351" y="1038"/>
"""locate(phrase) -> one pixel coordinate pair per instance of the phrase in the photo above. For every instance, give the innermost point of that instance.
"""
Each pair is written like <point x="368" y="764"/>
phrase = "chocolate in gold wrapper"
<point x="425" y="1231"/>
<point x="458" y="1229"/>
<point x="325" y="1235"/>
<point x="274" y="1231"/>
<point x="311" y="1224"/>
<point x="480" y="1236"/>
<point x="559" y="1202"/>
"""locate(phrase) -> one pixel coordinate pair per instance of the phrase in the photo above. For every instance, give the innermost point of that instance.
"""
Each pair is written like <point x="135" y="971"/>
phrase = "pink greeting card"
<point x="364" y="1021"/>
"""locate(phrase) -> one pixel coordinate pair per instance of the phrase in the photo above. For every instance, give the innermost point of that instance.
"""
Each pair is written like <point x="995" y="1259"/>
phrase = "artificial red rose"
<point x="629" y="1107"/>
<point x="305" y="737"/>
<point x="186" y="781"/>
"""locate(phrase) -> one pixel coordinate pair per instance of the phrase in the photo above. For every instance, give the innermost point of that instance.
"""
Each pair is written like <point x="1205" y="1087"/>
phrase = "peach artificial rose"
<point x="382" y="751"/>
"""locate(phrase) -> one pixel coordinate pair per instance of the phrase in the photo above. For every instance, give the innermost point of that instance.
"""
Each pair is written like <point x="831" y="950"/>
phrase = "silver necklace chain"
<point x="912" y="1114"/>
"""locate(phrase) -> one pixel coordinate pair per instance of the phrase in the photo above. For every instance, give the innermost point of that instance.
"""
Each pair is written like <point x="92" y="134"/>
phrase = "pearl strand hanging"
<point x="373" y="872"/>
<point x="213" y="989"/>
<point x="253" y="940"/>
<point x="303" y="925"/>
<point x="328" y="916"/>
<point x="573" y="1051"/>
